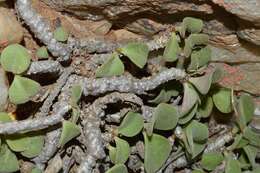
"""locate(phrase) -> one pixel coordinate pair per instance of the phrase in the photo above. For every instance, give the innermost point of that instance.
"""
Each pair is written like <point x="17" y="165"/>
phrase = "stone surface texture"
<point x="233" y="27"/>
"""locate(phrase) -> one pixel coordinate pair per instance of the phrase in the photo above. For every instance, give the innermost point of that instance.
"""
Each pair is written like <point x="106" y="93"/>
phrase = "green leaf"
<point x="36" y="170"/>
<point x="194" y="40"/>
<point x="76" y="92"/>
<point x="222" y="100"/>
<point x="166" y="117"/>
<point x="197" y="135"/>
<point x="75" y="114"/>
<point x="199" y="131"/>
<point x="22" y="89"/>
<point x="17" y="142"/>
<point x="5" y="117"/>
<point x="197" y="171"/>
<point x="118" y="168"/>
<point x="8" y="160"/>
<point x="256" y="169"/>
<point x="61" y="34"/>
<point x="113" y="67"/>
<point x="246" y="110"/>
<point x="192" y="25"/>
<point x="15" y="58"/>
<point x="30" y="144"/>
<point x="202" y="83"/>
<point x="205" y="108"/>
<point x="172" y="49"/>
<point x="217" y="75"/>
<point x="112" y="154"/>
<point x="251" y="136"/>
<point x="122" y="151"/>
<point x="69" y="131"/>
<point x="136" y="52"/>
<point x="34" y="148"/>
<point x="196" y="149"/>
<point x="165" y="95"/>
<point x="251" y="153"/>
<point x="148" y="127"/>
<point x="199" y="58"/>
<point x="131" y="125"/>
<point x="232" y="166"/>
<point x="157" y="150"/>
<point x="188" y="116"/>
<point x="42" y="53"/>
<point x="243" y="161"/>
<point x="239" y="142"/>
<point x="211" y="160"/>
<point x="190" y="98"/>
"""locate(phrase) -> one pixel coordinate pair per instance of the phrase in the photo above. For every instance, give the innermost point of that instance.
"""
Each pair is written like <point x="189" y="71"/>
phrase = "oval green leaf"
<point x="136" y="52"/>
<point x="164" y="96"/>
<point x="157" y="150"/>
<point x="192" y="25"/>
<point x="166" y="117"/>
<point x="36" y="170"/>
<point x="112" y="154"/>
<point x="194" y="40"/>
<point x="5" y="117"/>
<point x="61" y="34"/>
<point x="172" y="49"/>
<point x="199" y="58"/>
<point x="196" y="134"/>
<point x="246" y="109"/>
<point x="29" y="144"/>
<point x="251" y="136"/>
<point x="198" y="131"/>
<point x="118" y="168"/>
<point x="251" y="153"/>
<point x="205" y="108"/>
<point x="122" y="151"/>
<point x="113" y="67"/>
<point x="197" y="171"/>
<point x="34" y="146"/>
<point x="8" y="160"/>
<point x="190" y="98"/>
<point x="131" y="125"/>
<point x="17" y="142"/>
<point x="22" y="89"/>
<point x="222" y="100"/>
<point x="76" y="92"/>
<point x="69" y="131"/>
<point x="211" y="160"/>
<point x="15" y="58"/>
<point x="202" y="83"/>
<point x="232" y="166"/>
<point x="187" y="117"/>
<point x="42" y="53"/>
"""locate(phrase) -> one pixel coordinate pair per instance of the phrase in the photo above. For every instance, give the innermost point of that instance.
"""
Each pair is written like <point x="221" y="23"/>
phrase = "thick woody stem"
<point x="42" y="30"/>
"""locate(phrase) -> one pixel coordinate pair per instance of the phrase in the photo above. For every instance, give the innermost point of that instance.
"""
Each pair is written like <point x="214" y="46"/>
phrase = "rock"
<point x="123" y="35"/>
<point x="10" y="29"/>
<point x="237" y="53"/>
<point x="241" y="77"/>
<point x="251" y="35"/>
<point x="216" y="27"/>
<point x="3" y="90"/>
<point x="118" y="9"/>
<point x="145" y="26"/>
<point x="76" y="27"/>
<point x="245" y="9"/>
<point x="225" y="41"/>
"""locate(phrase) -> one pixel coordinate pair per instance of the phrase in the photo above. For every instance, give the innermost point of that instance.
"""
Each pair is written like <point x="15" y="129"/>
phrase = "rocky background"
<point x="234" y="27"/>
